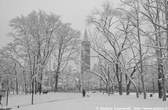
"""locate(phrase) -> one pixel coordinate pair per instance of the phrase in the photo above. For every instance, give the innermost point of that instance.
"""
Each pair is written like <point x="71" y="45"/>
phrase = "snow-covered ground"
<point x="95" y="101"/>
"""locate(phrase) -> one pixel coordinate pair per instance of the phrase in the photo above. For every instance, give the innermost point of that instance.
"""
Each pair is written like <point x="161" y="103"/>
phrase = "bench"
<point x="45" y="92"/>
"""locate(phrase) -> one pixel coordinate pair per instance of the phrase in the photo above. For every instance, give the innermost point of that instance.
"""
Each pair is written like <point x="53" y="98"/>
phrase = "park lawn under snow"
<point x="74" y="101"/>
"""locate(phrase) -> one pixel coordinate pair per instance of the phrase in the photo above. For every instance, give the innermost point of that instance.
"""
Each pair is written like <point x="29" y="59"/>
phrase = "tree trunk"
<point x="163" y="75"/>
<point x="56" y="82"/>
<point x="153" y="85"/>
<point x="32" y="101"/>
<point x="140" y="50"/>
<point x="119" y="78"/>
<point x="16" y="80"/>
<point x="35" y="85"/>
<point x="120" y="84"/>
<point x="128" y="83"/>
<point x="25" y="85"/>
<point x="57" y="71"/>
<point x="143" y="86"/>
<point x="25" y="82"/>
<point x="112" y="89"/>
<point x="120" y="87"/>
<point x="40" y="83"/>
<point x="7" y="97"/>
<point x="139" y="84"/>
<point x="159" y="51"/>
<point x="164" y="87"/>
<point x="160" y="72"/>
<point x="7" y="94"/>
<point x="160" y="67"/>
<point x="100" y="85"/>
<point x="106" y="88"/>
<point x="17" y="88"/>
<point x="128" y="87"/>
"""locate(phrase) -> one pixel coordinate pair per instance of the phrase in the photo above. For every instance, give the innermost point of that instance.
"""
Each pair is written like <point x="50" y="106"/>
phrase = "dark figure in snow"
<point x="151" y="95"/>
<point x="83" y="92"/>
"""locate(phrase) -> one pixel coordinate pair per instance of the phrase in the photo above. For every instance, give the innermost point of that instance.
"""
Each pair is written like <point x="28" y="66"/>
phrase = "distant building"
<point x="85" y="60"/>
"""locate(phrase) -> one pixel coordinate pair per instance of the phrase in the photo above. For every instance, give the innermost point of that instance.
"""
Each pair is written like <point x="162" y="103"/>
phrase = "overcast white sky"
<point x="72" y="11"/>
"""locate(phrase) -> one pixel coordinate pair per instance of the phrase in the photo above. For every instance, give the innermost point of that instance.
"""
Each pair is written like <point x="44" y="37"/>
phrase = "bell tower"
<point x="85" y="59"/>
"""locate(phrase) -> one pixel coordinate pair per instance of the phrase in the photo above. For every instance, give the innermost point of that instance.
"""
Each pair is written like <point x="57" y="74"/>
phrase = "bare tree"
<point x="156" y="14"/>
<point x="134" y="6"/>
<point x="66" y="48"/>
<point x="34" y="42"/>
<point x="114" y="31"/>
<point x="153" y="16"/>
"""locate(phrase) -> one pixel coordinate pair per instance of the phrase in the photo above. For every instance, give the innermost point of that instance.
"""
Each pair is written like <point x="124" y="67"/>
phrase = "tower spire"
<point x="85" y="60"/>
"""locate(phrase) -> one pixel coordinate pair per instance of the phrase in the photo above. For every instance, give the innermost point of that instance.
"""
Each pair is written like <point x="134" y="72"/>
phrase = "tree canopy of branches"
<point x="132" y="37"/>
<point x="37" y="37"/>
